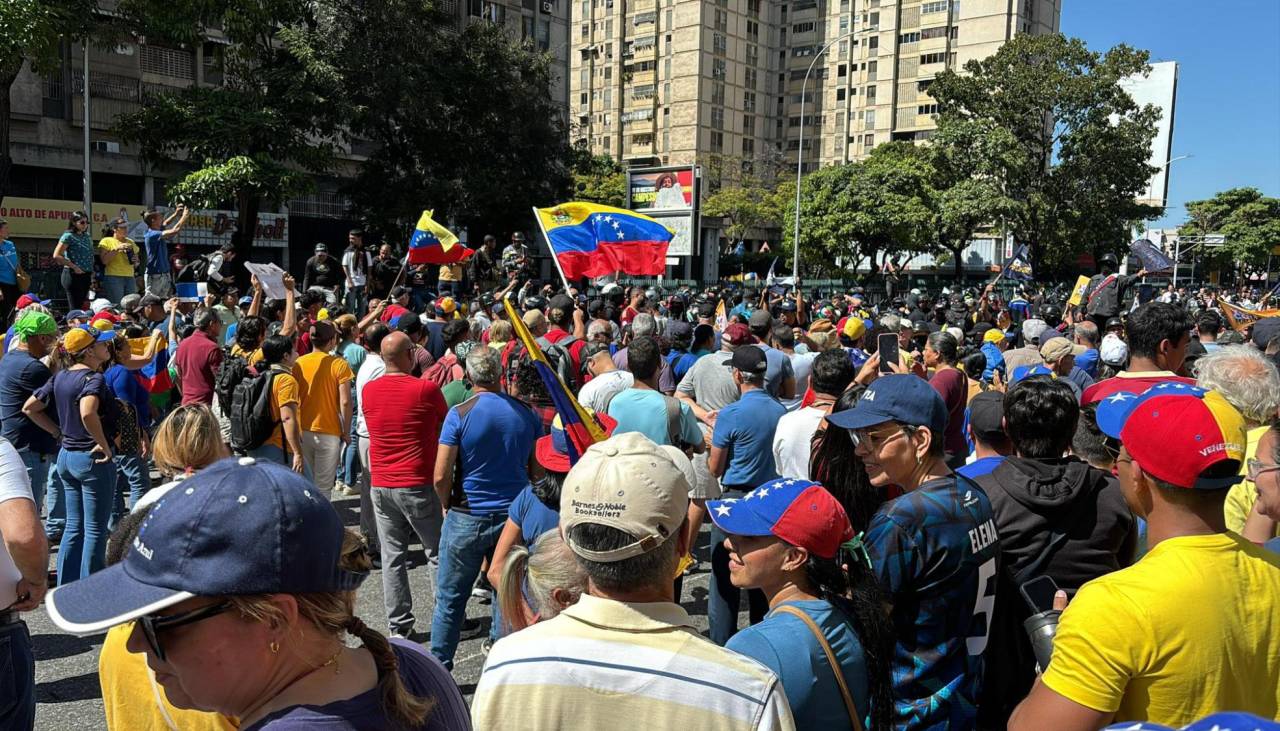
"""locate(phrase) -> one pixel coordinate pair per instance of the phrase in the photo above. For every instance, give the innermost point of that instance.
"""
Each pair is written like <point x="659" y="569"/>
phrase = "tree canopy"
<point x="1248" y="220"/>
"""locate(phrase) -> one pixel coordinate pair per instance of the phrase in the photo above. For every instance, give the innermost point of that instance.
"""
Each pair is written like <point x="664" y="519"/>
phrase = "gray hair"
<point x="540" y="570"/>
<point x="644" y="326"/>
<point x="649" y="569"/>
<point x="891" y="323"/>
<point x="484" y="367"/>
<point x="1245" y="378"/>
<point x="1088" y="332"/>
<point x="598" y="328"/>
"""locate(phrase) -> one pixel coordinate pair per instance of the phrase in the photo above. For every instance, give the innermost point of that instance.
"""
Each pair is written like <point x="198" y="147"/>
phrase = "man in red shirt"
<point x="198" y="358"/>
<point x="403" y="415"/>
<point x="566" y="319"/>
<point x="1158" y="334"/>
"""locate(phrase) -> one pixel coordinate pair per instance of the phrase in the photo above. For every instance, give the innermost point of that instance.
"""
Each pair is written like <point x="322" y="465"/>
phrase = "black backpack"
<point x="233" y="370"/>
<point x="197" y="270"/>
<point x="252" y="420"/>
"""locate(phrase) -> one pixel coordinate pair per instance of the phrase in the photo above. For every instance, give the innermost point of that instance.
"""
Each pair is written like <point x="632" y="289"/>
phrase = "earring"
<point x="275" y="647"/>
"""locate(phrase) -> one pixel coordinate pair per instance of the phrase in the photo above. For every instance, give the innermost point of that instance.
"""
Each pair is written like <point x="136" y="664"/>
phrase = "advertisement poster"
<point x="681" y="224"/>
<point x="664" y="190"/>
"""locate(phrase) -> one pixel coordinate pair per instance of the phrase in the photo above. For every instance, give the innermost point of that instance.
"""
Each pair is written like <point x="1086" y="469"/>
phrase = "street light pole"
<point x="795" y="239"/>
<point x="88" y="172"/>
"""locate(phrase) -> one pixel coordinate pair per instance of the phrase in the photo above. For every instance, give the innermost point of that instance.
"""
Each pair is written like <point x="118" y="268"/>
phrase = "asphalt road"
<point x="67" y="691"/>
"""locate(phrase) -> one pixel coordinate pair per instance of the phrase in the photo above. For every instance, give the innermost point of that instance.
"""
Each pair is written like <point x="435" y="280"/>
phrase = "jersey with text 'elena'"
<point x="935" y="552"/>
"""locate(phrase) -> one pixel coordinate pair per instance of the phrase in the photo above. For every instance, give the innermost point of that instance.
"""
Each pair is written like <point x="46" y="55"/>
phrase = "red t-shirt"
<point x="1129" y="383"/>
<point x="403" y="415"/>
<point x="953" y="386"/>
<point x="197" y="360"/>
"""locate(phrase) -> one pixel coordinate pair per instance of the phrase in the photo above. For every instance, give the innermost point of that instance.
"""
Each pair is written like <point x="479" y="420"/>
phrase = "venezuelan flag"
<point x="581" y="427"/>
<point x="153" y="376"/>
<point x="591" y="240"/>
<point x="432" y="243"/>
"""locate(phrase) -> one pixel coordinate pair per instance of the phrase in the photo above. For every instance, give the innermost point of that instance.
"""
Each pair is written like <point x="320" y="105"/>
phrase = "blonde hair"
<point x="333" y="613"/>
<point x="536" y="573"/>
<point x="501" y="331"/>
<point x="346" y="325"/>
<point x="188" y="438"/>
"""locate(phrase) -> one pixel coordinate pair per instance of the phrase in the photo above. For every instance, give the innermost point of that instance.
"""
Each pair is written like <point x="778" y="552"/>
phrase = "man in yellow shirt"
<point x="119" y="256"/>
<point x="1189" y="629"/>
<point x="325" y="381"/>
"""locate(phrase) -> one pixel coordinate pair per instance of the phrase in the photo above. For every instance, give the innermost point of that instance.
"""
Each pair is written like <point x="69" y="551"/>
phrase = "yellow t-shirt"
<point x="252" y="359"/>
<point x="133" y="700"/>
<point x="284" y="391"/>
<point x="451" y="272"/>
<point x="119" y="266"/>
<point x="1188" y="630"/>
<point x="319" y="375"/>
<point x="1242" y="496"/>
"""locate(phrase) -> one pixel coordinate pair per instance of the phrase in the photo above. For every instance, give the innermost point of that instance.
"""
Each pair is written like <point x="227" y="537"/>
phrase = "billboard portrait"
<point x="663" y="190"/>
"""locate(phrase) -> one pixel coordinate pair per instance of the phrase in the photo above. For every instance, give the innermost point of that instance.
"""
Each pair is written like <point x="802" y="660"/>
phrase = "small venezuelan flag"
<point x="591" y="240"/>
<point x="432" y="243"/>
<point x="154" y="376"/>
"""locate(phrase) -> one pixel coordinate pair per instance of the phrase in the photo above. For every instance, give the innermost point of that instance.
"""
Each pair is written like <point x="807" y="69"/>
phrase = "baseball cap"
<point x="245" y="300"/>
<point x="632" y="485"/>
<point x="240" y="526"/>
<point x="737" y="334"/>
<point x="35" y="323"/>
<point x="1264" y="330"/>
<point x="150" y="299"/>
<point x="1176" y="432"/>
<point x="552" y="450"/>
<point x="899" y="397"/>
<point x="30" y="299"/>
<point x="129" y="302"/>
<point x="77" y="315"/>
<point x="994" y="335"/>
<point x="748" y="359"/>
<point x="1113" y="322"/>
<point x="105" y="316"/>
<point x="799" y="512"/>
<point x="986" y="415"/>
<point x="99" y="304"/>
<point x="81" y="337"/>
<point x="679" y="330"/>
<point x="1032" y="328"/>
<point x="788" y="306"/>
<point x="1058" y="347"/>
<point x="1113" y="351"/>
<point x="852" y="327"/>
<point x="321" y="247"/>
<point x="761" y="318"/>
<point x="562" y="302"/>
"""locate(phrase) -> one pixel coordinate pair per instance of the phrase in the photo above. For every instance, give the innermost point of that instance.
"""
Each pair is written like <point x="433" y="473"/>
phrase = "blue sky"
<point x="1228" y="100"/>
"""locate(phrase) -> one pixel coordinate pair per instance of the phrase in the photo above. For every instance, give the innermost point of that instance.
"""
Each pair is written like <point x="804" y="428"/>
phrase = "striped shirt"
<point x="604" y="664"/>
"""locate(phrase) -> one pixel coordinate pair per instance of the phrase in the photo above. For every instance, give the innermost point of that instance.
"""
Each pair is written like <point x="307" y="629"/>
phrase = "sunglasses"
<point x="153" y="626"/>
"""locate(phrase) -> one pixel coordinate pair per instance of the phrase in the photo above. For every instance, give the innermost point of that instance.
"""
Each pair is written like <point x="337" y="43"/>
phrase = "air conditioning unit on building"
<point x="547" y="6"/>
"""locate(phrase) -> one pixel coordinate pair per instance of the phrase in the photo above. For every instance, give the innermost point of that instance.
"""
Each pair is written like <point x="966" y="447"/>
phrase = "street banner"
<point x="1153" y="259"/>
<point x="1018" y="266"/>
<point x="1239" y="318"/>
<point x="1077" y="292"/>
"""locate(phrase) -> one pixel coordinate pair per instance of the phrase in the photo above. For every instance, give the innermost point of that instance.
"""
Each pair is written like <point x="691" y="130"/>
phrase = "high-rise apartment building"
<point x="679" y="81"/>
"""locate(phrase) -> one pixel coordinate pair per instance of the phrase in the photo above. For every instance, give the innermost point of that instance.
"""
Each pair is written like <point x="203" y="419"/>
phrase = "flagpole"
<point x="538" y="219"/>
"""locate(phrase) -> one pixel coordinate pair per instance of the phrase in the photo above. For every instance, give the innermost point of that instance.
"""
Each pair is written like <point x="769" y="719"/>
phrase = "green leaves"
<point x="32" y="29"/>
<point x="598" y="179"/>
<point x="216" y="183"/>
<point x="1249" y="220"/>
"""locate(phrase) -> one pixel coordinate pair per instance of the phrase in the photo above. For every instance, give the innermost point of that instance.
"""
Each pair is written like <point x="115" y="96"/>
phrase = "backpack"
<point x="233" y="370"/>
<point x="251" y="418"/>
<point x="444" y="371"/>
<point x="557" y="356"/>
<point x="196" y="270"/>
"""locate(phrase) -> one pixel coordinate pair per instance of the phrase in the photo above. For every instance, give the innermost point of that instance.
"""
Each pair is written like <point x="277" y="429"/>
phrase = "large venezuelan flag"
<point x="153" y="376"/>
<point x="581" y="427"/>
<point x="591" y="240"/>
<point x="432" y="243"/>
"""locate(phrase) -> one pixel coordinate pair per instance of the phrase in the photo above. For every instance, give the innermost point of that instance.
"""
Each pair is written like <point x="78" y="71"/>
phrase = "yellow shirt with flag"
<point x="1188" y="630"/>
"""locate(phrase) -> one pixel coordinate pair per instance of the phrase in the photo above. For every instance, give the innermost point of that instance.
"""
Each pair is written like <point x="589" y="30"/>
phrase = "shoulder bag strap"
<point x="674" y="431"/>
<point x="831" y="658"/>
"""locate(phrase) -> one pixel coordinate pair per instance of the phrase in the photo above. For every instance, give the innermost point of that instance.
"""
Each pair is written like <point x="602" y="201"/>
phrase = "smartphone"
<point x="1038" y="593"/>
<point x="887" y="347"/>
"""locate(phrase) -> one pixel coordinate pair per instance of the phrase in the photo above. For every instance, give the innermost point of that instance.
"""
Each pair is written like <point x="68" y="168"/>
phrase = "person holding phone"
<point x="86" y="414"/>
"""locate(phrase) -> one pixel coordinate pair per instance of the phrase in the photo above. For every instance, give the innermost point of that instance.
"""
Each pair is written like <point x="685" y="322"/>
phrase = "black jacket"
<point x="1100" y="301"/>
<point x="1033" y="500"/>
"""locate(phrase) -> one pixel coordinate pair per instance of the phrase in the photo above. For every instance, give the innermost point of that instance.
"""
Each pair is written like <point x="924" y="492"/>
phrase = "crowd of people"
<point x="938" y="510"/>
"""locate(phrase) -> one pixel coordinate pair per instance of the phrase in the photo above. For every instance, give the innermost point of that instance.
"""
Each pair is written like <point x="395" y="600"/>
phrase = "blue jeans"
<point x="57" y="497"/>
<point x="464" y="541"/>
<point x="349" y="466"/>
<point x="89" y="487"/>
<point x="270" y="453"/>
<point x="115" y="288"/>
<point x="724" y="598"/>
<point x="38" y="472"/>
<point x="356" y="300"/>
<point x="131" y="473"/>
<point x="17" y="678"/>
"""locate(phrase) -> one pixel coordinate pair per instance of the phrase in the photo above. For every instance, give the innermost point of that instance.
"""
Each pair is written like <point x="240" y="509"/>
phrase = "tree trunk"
<point x="247" y="207"/>
<point x="956" y="262"/>
<point x="6" y="161"/>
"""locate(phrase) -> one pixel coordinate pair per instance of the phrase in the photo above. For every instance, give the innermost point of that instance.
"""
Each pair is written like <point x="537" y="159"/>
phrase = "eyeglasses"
<point x="153" y="626"/>
<point x="873" y="443"/>
<point x="1256" y="469"/>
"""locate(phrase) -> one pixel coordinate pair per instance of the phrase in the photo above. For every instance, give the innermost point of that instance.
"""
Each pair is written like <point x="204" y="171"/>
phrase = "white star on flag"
<point x="764" y="492"/>
<point x="621" y="236"/>
<point x="1122" y="396"/>
<point x="722" y="510"/>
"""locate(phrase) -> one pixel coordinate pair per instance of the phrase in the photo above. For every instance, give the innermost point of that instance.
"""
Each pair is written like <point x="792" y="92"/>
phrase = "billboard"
<point x="660" y="190"/>
<point x="681" y="224"/>
<point x="1158" y="88"/>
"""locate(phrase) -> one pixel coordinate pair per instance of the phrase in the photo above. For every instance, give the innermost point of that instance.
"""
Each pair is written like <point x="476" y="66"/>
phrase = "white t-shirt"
<point x="793" y="441"/>
<point x="358" y="277"/>
<point x="802" y="364"/>
<point x="373" y="368"/>
<point x="597" y="392"/>
<point x="14" y="484"/>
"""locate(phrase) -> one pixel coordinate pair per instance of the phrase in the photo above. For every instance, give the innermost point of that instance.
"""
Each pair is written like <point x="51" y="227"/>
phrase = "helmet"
<point x="534" y="302"/>
<point x="1107" y="258"/>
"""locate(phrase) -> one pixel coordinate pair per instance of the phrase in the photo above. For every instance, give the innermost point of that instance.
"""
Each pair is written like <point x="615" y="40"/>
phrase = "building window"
<point x="793" y="122"/>
<point x="753" y="30"/>
<point x="717" y="68"/>
<point x="748" y="124"/>
<point x="940" y="32"/>
<point x="842" y="70"/>
<point x="840" y="94"/>
<point x="869" y="119"/>
<point x="868" y="140"/>
<point x="586" y="30"/>
<point x="717" y="117"/>
<point x="806" y="27"/>
<point x="544" y="35"/>
<point x="799" y="51"/>
<point x="927" y="109"/>
<point x="749" y="101"/>
<point x="933" y="7"/>
<point x="717" y="141"/>
<point x="171" y="62"/>
<point x="717" y="94"/>
<point x="722" y="20"/>
<point x="923" y="85"/>
<point x="753" y="8"/>
<point x="752" y="79"/>
<point x="871" y="70"/>
<point x="912" y="37"/>
<point x="870" y="94"/>
<point x="719" y="45"/>
<point x="927" y="58"/>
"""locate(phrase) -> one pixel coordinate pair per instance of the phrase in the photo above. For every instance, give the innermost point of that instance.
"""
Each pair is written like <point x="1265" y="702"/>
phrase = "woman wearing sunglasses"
<point x="241" y="597"/>
<point x="1264" y="473"/>
<point x="826" y="635"/>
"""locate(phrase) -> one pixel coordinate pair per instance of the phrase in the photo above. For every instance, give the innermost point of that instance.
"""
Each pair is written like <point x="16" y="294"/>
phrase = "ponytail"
<point x="402" y="707"/>
<point x="510" y="589"/>
<point x="531" y="577"/>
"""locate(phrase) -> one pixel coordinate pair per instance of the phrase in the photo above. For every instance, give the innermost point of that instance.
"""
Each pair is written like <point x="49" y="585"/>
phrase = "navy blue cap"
<point x="77" y="315"/>
<point x="899" y="397"/>
<point x="238" y="527"/>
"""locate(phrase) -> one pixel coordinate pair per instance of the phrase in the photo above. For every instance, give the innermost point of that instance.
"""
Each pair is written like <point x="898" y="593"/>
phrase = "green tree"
<point x="32" y="31"/>
<point x="1076" y="147"/>
<point x="598" y="178"/>
<point x="965" y="194"/>
<point x="1249" y="221"/>
<point x="459" y="121"/>
<point x="249" y="141"/>
<point x="744" y="206"/>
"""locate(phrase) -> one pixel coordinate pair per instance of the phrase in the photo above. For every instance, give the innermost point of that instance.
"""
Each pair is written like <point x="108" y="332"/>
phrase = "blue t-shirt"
<point x="79" y="250"/>
<point x="8" y="262"/>
<point x="784" y="644"/>
<point x="934" y="550"/>
<point x="20" y="376"/>
<point x="745" y="428"/>
<point x="779" y="369"/>
<point x="980" y="467"/>
<point x="494" y="443"/>
<point x="1088" y="362"/>
<point x="62" y="394"/>
<point x="645" y="410"/>
<point x="1272" y="545"/>
<point x="157" y="252"/>
<point x="126" y="387"/>
<point x="532" y="515"/>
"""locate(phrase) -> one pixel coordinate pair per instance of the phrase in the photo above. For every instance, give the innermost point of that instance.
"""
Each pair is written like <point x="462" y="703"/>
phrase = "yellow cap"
<point x="994" y="335"/>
